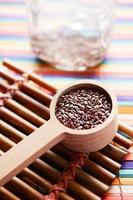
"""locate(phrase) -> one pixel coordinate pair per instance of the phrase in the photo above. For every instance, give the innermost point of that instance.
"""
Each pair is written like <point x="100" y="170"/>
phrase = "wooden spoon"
<point x="52" y="132"/>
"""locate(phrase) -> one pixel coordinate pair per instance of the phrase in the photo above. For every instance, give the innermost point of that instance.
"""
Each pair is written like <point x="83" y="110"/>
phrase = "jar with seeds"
<point x="72" y="35"/>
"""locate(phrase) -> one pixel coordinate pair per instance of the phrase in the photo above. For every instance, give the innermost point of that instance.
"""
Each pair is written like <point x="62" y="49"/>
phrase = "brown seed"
<point x="83" y="108"/>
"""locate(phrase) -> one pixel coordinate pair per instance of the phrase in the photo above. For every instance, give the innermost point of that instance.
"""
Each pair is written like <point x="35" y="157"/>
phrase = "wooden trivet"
<point x="59" y="173"/>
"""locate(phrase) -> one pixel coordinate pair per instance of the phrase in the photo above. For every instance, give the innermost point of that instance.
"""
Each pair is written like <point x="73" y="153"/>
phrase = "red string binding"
<point x="78" y="161"/>
<point x="3" y="97"/>
<point x="13" y="88"/>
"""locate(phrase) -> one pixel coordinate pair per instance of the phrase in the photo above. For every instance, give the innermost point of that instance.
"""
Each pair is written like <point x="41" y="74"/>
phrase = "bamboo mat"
<point x="116" y="70"/>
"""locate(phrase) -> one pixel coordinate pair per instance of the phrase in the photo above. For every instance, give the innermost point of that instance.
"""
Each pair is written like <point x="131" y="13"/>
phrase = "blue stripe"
<point x="15" y="37"/>
<point x="21" y="58"/>
<point x="9" y="19"/>
<point x="128" y="21"/>
<point x="4" y="18"/>
<point x="104" y="78"/>
<point x="124" y="134"/>
<point x="121" y="61"/>
<point x="125" y="103"/>
<point x="126" y="5"/>
<point x="125" y="173"/>
<point x="125" y="98"/>
<point x="127" y="164"/>
<point x="122" y="41"/>
<point x="64" y="78"/>
<point x="94" y="76"/>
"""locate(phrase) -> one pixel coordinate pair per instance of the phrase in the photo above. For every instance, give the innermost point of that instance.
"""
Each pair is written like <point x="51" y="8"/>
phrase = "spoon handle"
<point x="28" y="150"/>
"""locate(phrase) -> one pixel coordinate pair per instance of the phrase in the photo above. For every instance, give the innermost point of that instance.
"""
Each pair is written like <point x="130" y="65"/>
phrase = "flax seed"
<point x="83" y="108"/>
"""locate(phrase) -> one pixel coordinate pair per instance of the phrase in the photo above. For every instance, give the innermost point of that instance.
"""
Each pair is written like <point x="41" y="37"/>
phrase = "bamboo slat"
<point x="32" y="76"/>
<point x="6" y="194"/>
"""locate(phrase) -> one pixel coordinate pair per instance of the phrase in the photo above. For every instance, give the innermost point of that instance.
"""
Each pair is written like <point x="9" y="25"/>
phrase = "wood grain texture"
<point x="27" y="151"/>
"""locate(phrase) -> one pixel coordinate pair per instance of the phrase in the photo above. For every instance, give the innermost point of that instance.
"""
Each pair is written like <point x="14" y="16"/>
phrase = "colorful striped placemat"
<point x="116" y="70"/>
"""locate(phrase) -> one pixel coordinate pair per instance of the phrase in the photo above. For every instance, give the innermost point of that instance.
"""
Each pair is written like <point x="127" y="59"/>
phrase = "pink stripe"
<point x="13" y="15"/>
<point x="129" y="157"/>
<point x="13" y="52"/>
<point x="122" y="55"/>
<point x="112" y="197"/>
<point x="123" y="35"/>
<point x="14" y="33"/>
<point x="118" y="197"/>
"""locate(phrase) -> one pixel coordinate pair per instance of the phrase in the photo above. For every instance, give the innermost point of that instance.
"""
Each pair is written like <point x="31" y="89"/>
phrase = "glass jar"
<point x="72" y="34"/>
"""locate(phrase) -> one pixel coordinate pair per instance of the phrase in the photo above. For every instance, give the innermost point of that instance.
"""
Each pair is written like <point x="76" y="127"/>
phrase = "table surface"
<point x="116" y="70"/>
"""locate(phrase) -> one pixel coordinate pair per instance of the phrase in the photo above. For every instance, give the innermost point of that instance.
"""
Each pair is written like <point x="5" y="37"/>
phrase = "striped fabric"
<point x="116" y="70"/>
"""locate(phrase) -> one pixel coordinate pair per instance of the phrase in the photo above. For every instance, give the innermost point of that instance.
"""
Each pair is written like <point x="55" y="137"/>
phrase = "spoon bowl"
<point x="88" y="140"/>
